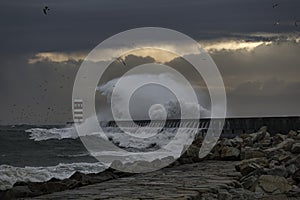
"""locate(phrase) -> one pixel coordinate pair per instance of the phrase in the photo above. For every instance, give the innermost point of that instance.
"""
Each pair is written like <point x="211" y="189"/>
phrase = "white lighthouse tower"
<point x="78" y="110"/>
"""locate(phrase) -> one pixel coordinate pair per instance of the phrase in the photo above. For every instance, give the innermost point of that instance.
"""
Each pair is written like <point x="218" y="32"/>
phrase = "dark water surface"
<point x="17" y="149"/>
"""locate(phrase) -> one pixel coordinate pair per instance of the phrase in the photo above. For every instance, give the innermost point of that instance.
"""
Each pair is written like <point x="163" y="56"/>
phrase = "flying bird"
<point x="275" y="5"/>
<point x="46" y="9"/>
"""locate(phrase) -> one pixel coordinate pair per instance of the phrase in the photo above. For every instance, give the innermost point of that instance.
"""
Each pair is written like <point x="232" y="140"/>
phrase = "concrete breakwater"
<point x="232" y="126"/>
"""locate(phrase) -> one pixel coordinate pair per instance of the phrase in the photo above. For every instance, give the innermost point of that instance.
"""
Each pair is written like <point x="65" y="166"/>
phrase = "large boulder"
<point x="237" y="142"/>
<point x="273" y="184"/>
<point x="259" y="135"/>
<point x="248" y="153"/>
<point x="230" y="153"/>
<point x="249" y="182"/>
<point x="292" y="134"/>
<point x="295" y="148"/>
<point x="285" y="145"/>
<point x="250" y="165"/>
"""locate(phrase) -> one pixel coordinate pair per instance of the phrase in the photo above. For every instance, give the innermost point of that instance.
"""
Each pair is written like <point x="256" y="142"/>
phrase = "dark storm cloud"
<point x="271" y="97"/>
<point x="78" y="26"/>
<point x="279" y="60"/>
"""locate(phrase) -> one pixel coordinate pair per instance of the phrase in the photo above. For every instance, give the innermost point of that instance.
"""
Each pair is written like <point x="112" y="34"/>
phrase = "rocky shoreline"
<point x="78" y="179"/>
<point x="260" y="166"/>
<point x="269" y="165"/>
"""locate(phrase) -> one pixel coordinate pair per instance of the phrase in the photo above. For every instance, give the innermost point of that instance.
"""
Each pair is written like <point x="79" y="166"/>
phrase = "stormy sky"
<point x="40" y="55"/>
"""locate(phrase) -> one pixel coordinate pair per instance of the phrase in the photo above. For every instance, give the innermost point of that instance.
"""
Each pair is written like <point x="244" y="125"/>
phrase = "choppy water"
<point x="24" y="159"/>
<point x="39" y="154"/>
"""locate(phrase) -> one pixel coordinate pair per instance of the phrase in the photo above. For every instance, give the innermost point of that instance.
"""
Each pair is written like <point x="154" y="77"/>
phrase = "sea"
<point x="39" y="153"/>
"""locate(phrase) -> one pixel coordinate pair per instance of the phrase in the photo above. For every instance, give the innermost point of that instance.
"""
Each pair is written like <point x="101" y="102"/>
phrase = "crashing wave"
<point x="10" y="174"/>
<point x="39" y="134"/>
<point x="113" y="134"/>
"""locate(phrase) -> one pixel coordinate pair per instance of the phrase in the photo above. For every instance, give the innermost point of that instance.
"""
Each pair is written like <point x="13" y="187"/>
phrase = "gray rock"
<point x="286" y="156"/>
<point x="278" y="171"/>
<point x="20" y="191"/>
<point x="292" y="134"/>
<point x="250" y="165"/>
<point x="249" y="182"/>
<point x="291" y="169"/>
<point x="237" y="141"/>
<point x="294" y="192"/>
<point x="296" y="176"/>
<point x="226" y="142"/>
<point x="295" y="148"/>
<point x="260" y="135"/>
<point x="285" y="145"/>
<point x="278" y="138"/>
<point x="224" y="195"/>
<point x="295" y="161"/>
<point x="274" y="163"/>
<point x="230" y="153"/>
<point x="248" y="153"/>
<point x="274" y="184"/>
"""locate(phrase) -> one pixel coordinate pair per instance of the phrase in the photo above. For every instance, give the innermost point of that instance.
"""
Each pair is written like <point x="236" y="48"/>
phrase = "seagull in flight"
<point x="46" y="9"/>
<point x="275" y="5"/>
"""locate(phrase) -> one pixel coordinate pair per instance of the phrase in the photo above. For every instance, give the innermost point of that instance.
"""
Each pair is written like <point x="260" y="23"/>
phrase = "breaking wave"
<point x="113" y="134"/>
<point x="10" y="174"/>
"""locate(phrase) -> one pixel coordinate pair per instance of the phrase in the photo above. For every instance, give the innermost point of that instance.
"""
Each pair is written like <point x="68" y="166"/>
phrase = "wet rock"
<point x="260" y="135"/>
<point x="291" y="169"/>
<point x="248" y="153"/>
<point x="292" y="134"/>
<point x="224" y="195"/>
<point x="249" y="182"/>
<point x="285" y="145"/>
<point x="278" y="138"/>
<point x="273" y="163"/>
<point x="278" y="171"/>
<point x="296" y="176"/>
<point x="295" y="161"/>
<point x="32" y="189"/>
<point x="294" y="192"/>
<point x="230" y="153"/>
<point x="295" y="148"/>
<point x="237" y="141"/>
<point x="226" y="142"/>
<point x="192" y="151"/>
<point x="284" y="157"/>
<point x="16" y="192"/>
<point x="198" y="141"/>
<point x="250" y="165"/>
<point x="274" y="184"/>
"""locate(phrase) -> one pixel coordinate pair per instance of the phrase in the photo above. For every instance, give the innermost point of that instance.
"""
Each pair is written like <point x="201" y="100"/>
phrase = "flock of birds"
<point x="29" y="110"/>
<point x="46" y="9"/>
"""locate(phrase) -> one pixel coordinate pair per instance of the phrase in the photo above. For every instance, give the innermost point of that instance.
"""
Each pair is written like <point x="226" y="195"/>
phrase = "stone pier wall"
<point x="232" y="126"/>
